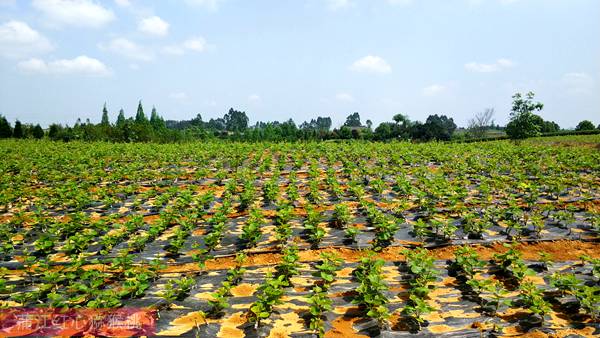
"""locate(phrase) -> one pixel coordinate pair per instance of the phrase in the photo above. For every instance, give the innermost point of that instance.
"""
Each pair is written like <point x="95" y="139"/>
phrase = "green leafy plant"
<point x="327" y="268"/>
<point x="288" y="267"/>
<point x="269" y="295"/>
<point x="421" y="266"/>
<point x="270" y="191"/>
<point x="283" y="230"/>
<point x="491" y="293"/>
<point x="545" y="259"/>
<point x="311" y="225"/>
<point x="468" y="261"/>
<point x="319" y="304"/>
<point x="219" y="302"/>
<point x="566" y="283"/>
<point x="532" y="298"/>
<point x="415" y="309"/>
<point x="351" y="233"/>
<point x="512" y="264"/>
<point x="595" y="263"/>
<point x="370" y="293"/>
<point x="589" y="300"/>
<point x="234" y="275"/>
<point x="177" y="289"/>
<point x="251" y="231"/>
<point x="341" y="215"/>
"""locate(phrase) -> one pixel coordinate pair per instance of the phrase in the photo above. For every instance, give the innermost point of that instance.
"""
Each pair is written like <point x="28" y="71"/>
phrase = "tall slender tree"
<point x="105" y="122"/>
<point x="140" y="117"/>
<point x="18" y="131"/>
<point x="156" y="121"/>
<point x="121" y="118"/>
<point x="38" y="132"/>
<point x="5" y="128"/>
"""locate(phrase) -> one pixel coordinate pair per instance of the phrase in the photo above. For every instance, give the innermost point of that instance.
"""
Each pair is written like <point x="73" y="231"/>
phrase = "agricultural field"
<point x="308" y="239"/>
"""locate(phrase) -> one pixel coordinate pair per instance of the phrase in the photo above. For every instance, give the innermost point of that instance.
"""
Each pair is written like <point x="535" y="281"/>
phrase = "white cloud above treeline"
<point x="154" y="26"/>
<point x="371" y="64"/>
<point x="83" y="64"/>
<point x="78" y="13"/>
<point x="127" y="48"/>
<point x="18" y="39"/>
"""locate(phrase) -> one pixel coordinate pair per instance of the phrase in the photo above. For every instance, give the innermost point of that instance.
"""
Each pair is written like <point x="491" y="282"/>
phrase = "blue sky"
<point x="275" y="59"/>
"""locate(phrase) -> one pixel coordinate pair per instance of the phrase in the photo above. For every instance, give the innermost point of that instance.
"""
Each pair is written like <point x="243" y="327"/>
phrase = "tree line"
<point x="234" y="125"/>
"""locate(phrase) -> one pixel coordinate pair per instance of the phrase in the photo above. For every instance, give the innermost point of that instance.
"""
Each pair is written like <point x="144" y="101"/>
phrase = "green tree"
<point x="121" y="118"/>
<point x="401" y="119"/>
<point x="436" y="127"/>
<point x="353" y="120"/>
<point x="545" y="126"/>
<point x="323" y="123"/>
<point x="156" y="121"/>
<point x="386" y="131"/>
<point x="585" y="125"/>
<point x="403" y="126"/>
<point x="320" y="124"/>
<point x="236" y="120"/>
<point x="345" y="133"/>
<point x="522" y="118"/>
<point x="105" y="121"/>
<point x="217" y="124"/>
<point x="54" y="131"/>
<point x="18" y="131"/>
<point x="140" y="117"/>
<point x="5" y="128"/>
<point x="197" y="121"/>
<point x="550" y="127"/>
<point x="38" y="132"/>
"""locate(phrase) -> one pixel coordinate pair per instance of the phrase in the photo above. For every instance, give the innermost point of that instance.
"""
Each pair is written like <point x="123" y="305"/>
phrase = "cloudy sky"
<point x="275" y="59"/>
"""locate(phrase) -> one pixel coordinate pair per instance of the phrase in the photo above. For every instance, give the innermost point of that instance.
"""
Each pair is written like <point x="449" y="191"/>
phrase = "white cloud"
<point x="253" y="98"/>
<point x="371" y="64"/>
<point x="578" y="83"/>
<point x="194" y="44"/>
<point x="344" y="97"/>
<point x="505" y="63"/>
<point x="17" y="39"/>
<point x="208" y="4"/>
<point x="154" y="26"/>
<point x="338" y="4"/>
<point x="128" y="49"/>
<point x="123" y="3"/>
<point x="179" y="96"/>
<point x="79" y="13"/>
<point x="434" y="90"/>
<point x="80" y="65"/>
<point x="499" y="65"/>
